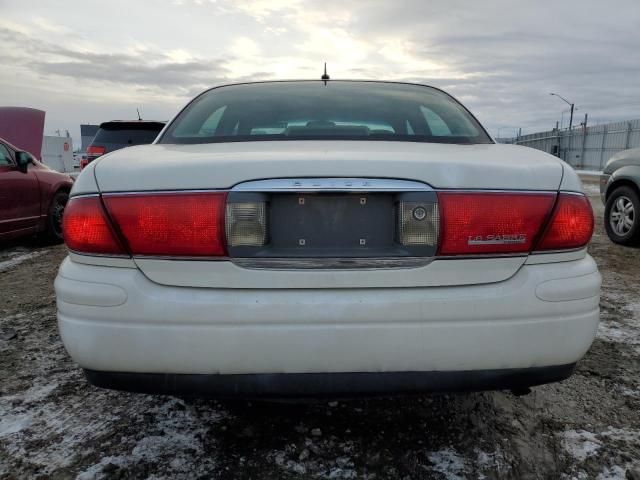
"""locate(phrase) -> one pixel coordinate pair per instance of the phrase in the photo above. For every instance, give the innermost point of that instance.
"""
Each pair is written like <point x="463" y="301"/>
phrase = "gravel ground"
<point x="54" y="425"/>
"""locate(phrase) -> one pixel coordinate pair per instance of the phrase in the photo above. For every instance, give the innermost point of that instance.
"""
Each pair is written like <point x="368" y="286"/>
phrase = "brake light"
<point x="95" y="151"/>
<point x="571" y="225"/>
<point x="491" y="223"/>
<point x="83" y="163"/>
<point x="171" y="224"/>
<point x="86" y="228"/>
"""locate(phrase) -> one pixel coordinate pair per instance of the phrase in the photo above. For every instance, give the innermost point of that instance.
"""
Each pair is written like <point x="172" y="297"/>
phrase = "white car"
<point x="326" y="237"/>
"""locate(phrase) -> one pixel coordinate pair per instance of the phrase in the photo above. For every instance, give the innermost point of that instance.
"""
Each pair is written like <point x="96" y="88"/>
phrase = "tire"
<point x="622" y="216"/>
<point x="53" y="233"/>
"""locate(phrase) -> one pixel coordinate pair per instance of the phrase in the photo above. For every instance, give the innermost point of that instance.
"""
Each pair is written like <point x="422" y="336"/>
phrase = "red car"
<point x="32" y="196"/>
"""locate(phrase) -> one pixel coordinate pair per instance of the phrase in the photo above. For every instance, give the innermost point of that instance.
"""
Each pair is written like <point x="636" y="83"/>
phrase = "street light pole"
<point x="568" y="103"/>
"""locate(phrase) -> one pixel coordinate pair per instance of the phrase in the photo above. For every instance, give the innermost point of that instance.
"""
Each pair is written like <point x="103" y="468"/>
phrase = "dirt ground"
<point x="54" y="425"/>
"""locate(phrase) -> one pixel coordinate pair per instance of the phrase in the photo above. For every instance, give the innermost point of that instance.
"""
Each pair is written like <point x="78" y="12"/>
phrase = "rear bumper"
<point x="328" y="384"/>
<point x="427" y="338"/>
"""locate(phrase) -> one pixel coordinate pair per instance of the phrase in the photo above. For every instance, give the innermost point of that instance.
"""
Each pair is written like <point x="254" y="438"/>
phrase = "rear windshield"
<point x="313" y="111"/>
<point x="128" y="133"/>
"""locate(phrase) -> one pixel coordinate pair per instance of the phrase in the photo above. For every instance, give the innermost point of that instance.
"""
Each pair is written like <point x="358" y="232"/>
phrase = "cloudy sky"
<point x="86" y="61"/>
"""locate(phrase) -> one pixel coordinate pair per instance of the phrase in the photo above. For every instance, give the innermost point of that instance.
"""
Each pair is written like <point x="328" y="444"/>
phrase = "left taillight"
<point x="87" y="229"/>
<point x="189" y="224"/>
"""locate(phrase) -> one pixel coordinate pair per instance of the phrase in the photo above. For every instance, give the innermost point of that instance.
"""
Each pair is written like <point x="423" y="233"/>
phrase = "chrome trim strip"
<point x="495" y="190"/>
<point x="482" y="256"/>
<point x="100" y="255"/>
<point x="162" y="192"/>
<point x="331" y="263"/>
<point x="85" y="195"/>
<point x="183" y="258"/>
<point x="334" y="184"/>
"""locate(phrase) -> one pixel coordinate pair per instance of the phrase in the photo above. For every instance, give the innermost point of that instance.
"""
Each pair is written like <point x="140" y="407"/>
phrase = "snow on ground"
<point x="589" y="173"/>
<point x="585" y="446"/>
<point x="449" y="463"/>
<point x="580" y="444"/>
<point x="591" y="189"/>
<point x="178" y="431"/>
<point x="620" y="297"/>
<point x="16" y="259"/>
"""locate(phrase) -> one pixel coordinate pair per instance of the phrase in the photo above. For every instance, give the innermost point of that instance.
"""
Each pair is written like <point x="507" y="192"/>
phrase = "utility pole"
<point x="571" y="117"/>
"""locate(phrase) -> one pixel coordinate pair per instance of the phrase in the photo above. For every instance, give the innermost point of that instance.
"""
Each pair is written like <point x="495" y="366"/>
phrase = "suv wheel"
<point x="621" y="216"/>
<point x="53" y="233"/>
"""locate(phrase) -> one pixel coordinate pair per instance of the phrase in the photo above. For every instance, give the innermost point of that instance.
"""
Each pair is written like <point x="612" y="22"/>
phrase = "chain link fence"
<point x="586" y="148"/>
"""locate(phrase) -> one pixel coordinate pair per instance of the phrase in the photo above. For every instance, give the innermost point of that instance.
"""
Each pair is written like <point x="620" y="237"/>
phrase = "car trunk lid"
<point x="320" y="225"/>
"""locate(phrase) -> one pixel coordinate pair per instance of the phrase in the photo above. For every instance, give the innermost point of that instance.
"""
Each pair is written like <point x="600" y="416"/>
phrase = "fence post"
<point x="585" y="130"/>
<point x="604" y="136"/>
<point x="628" y="138"/>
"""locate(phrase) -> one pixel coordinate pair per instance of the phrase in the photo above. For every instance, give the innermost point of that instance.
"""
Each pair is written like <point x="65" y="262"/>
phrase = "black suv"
<point x="119" y="134"/>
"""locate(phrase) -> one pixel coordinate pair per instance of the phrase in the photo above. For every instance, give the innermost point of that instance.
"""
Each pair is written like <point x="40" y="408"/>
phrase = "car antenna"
<point x="325" y="76"/>
<point x="139" y="117"/>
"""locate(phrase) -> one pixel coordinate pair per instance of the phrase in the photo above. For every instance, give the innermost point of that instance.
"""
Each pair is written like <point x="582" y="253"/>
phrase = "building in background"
<point x="57" y="153"/>
<point x="87" y="132"/>
<point x="23" y="127"/>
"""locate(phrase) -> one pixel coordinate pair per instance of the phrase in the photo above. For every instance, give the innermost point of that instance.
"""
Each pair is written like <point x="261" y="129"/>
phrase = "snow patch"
<point x="589" y="173"/>
<point x="612" y="473"/>
<point x="180" y="434"/>
<point x="591" y="189"/>
<point x="449" y="463"/>
<point x="17" y="260"/>
<point x="580" y="444"/>
<point x="10" y="424"/>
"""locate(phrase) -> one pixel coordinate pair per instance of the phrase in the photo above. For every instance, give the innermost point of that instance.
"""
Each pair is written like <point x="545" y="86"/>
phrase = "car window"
<point x="437" y="126"/>
<point x="5" y="156"/>
<point x="312" y="110"/>
<point x="127" y="134"/>
<point x="210" y="124"/>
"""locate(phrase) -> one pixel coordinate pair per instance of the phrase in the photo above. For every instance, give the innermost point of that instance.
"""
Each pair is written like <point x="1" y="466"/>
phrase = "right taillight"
<point x="483" y="223"/>
<point x="571" y="225"/>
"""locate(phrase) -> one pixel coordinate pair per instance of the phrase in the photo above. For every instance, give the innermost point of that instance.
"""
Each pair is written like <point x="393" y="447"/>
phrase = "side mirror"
<point x="23" y="159"/>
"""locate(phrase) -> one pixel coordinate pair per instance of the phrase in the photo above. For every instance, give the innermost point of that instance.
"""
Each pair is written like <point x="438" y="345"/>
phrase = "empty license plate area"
<point x="325" y="225"/>
<point x="332" y="225"/>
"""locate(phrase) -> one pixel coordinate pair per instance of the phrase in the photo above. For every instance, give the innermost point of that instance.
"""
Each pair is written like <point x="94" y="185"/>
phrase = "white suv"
<point x="309" y="238"/>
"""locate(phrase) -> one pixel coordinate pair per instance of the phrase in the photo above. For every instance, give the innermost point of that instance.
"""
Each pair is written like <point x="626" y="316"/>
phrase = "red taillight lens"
<point x="571" y="225"/>
<point x="485" y="223"/>
<point x="83" y="163"/>
<point x="171" y="224"/>
<point x="86" y="228"/>
<point x="95" y="151"/>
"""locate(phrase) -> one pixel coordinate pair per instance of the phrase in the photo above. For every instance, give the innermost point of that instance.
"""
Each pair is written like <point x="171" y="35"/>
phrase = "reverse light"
<point x="491" y="223"/>
<point x="571" y="225"/>
<point x="170" y="224"/>
<point x="86" y="228"/>
<point x="418" y="223"/>
<point x="246" y="224"/>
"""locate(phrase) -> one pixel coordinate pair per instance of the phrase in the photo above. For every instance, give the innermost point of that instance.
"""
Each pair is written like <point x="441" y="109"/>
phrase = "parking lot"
<point x="52" y="424"/>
